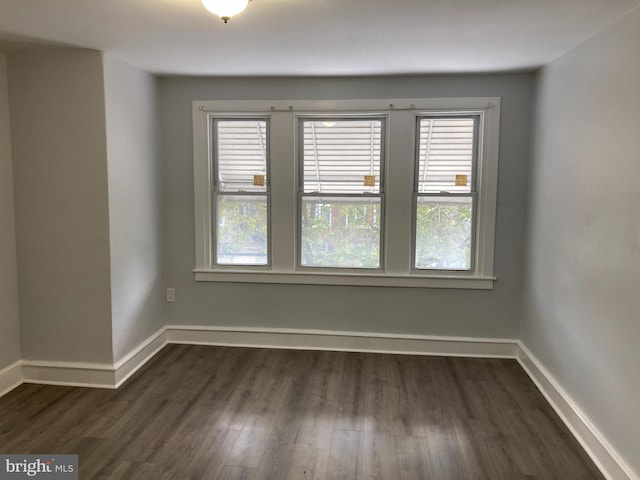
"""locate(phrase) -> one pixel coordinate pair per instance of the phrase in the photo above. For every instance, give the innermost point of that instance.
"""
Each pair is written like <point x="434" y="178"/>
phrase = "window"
<point x="350" y="192"/>
<point x="241" y="194"/>
<point x="445" y="192"/>
<point x="341" y="192"/>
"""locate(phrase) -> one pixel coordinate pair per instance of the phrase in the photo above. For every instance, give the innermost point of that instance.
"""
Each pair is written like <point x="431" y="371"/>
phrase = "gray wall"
<point x="134" y="205"/>
<point x="368" y="309"/>
<point x="583" y="255"/>
<point x="62" y="218"/>
<point x="9" y="318"/>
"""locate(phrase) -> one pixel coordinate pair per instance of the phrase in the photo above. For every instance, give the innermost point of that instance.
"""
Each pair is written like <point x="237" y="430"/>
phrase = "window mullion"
<point x="283" y="192"/>
<point x="399" y="191"/>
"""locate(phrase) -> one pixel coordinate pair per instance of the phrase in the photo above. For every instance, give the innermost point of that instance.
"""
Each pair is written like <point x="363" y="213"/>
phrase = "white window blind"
<point x="446" y="149"/>
<point x="241" y="151"/>
<point x="341" y="155"/>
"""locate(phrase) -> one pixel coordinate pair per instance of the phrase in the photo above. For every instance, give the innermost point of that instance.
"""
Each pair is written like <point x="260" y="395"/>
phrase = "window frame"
<point x="217" y="192"/>
<point x="301" y="194"/>
<point x="478" y="117"/>
<point x="399" y="191"/>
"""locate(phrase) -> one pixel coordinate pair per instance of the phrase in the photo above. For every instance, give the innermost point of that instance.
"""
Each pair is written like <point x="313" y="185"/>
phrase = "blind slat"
<point x="445" y="154"/>
<point x="339" y="153"/>
<point x="241" y="147"/>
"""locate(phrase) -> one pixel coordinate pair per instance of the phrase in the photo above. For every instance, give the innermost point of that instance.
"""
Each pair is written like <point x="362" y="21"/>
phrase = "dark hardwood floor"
<point x="198" y="412"/>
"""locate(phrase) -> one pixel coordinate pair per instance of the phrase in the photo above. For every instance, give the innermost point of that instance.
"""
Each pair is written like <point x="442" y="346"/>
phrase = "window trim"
<point x="398" y="191"/>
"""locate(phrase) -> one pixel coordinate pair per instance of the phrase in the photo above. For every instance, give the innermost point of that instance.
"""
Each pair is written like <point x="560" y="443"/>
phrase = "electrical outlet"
<point x="170" y="295"/>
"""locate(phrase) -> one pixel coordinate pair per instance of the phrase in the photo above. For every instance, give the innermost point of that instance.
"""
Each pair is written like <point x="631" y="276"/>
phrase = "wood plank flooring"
<point x="198" y="412"/>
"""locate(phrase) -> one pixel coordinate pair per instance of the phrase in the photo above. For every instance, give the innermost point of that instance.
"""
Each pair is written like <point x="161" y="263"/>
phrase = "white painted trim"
<point x="341" y="341"/>
<point x="10" y="377"/>
<point x="106" y="375"/>
<point x="134" y="360"/>
<point x="606" y="458"/>
<point x="94" y="375"/>
<point x="75" y="374"/>
<point x="63" y="365"/>
<point x="373" y="280"/>
<point x="374" y="105"/>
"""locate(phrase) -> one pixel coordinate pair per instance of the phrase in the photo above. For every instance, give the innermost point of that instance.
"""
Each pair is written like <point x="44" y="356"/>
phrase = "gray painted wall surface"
<point x="417" y="311"/>
<point x="62" y="218"/>
<point x="9" y="318"/>
<point x="137" y="302"/>
<point x="583" y="255"/>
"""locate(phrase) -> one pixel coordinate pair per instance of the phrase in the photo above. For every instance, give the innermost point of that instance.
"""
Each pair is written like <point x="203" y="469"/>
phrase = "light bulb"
<point x="225" y="9"/>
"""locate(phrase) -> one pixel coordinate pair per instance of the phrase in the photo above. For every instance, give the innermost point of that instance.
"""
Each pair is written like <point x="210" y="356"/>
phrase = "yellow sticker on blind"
<point x="369" y="180"/>
<point x="258" y="180"/>
<point x="461" y="180"/>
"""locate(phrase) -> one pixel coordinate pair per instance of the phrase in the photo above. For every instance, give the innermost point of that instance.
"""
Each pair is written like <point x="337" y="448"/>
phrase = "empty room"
<point x="298" y="239"/>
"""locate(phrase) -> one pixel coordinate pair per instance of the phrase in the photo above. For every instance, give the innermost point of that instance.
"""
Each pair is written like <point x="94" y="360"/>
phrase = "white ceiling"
<point x="315" y="37"/>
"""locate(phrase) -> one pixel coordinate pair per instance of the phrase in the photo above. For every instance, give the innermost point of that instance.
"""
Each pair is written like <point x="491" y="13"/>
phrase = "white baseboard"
<point x="11" y="377"/>
<point x="95" y="375"/>
<point x="106" y="375"/>
<point x="134" y="360"/>
<point x="606" y="458"/>
<point x="342" y="341"/>
<point x="73" y="374"/>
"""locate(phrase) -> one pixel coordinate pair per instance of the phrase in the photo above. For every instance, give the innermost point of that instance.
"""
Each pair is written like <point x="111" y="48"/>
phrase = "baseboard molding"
<point x="300" y="339"/>
<point x="135" y="360"/>
<point x="11" y="377"/>
<point x="606" y="458"/>
<point x="95" y="375"/>
<point x="72" y="374"/>
<point x="106" y="375"/>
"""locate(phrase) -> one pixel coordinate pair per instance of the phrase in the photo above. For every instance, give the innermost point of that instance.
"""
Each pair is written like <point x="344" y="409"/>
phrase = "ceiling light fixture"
<point x="225" y="9"/>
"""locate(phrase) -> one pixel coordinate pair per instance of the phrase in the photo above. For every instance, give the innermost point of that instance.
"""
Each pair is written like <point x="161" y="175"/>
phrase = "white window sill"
<point x="354" y="279"/>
